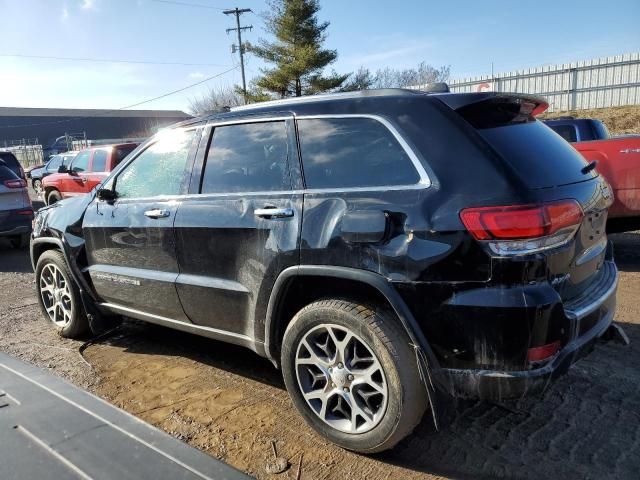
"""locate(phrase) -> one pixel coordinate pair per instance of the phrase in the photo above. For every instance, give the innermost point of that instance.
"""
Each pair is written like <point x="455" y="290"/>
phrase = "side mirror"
<point x="63" y="169"/>
<point x="106" y="195"/>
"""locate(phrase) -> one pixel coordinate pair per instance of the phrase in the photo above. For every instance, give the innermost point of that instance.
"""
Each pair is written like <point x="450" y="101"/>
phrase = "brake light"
<point x="537" y="354"/>
<point x="25" y="212"/>
<point x="517" y="229"/>
<point x="17" y="183"/>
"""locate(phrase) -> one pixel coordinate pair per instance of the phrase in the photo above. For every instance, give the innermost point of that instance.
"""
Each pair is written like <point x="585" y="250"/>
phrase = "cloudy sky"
<point x="128" y="51"/>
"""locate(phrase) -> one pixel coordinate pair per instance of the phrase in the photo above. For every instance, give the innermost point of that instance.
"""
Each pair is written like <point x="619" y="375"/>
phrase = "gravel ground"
<point x="232" y="404"/>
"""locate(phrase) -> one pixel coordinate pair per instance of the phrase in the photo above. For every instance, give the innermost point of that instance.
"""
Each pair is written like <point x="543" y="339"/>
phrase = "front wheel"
<point x="37" y="186"/>
<point x="53" y="197"/>
<point x="352" y="374"/>
<point x="59" y="296"/>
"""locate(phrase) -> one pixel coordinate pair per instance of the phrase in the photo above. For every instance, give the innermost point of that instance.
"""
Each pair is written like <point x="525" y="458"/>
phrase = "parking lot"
<point x="232" y="404"/>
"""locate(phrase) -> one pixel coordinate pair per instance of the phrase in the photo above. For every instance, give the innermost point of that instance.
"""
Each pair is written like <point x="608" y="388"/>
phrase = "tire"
<point x="377" y="336"/>
<point x="20" y="242"/>
<point x="37" y="185"/>
<point x="63" y="306"/>
<point x="53" y="197"/>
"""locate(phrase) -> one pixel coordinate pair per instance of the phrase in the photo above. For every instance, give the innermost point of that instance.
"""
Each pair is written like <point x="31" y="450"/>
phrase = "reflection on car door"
<point x="130" y="242"/>
<point x="240" y="226"/>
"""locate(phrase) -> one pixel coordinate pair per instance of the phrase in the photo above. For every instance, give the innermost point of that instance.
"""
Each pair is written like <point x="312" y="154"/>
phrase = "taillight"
<point x="17" y="183"/>
<point x="521" y="229"/>
<point x="544" y="352"/>
<point x="25" y="212"/>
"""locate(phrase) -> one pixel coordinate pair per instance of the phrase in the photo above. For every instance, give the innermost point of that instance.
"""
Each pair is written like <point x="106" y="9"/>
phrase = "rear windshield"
<point x="541" y="158"/>
<point x="7" y="174"/>
<point x="10" y="161"/>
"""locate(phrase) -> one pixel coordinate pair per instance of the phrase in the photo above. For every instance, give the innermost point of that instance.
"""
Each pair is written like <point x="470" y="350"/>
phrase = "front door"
<point x="73" y="183"/>
<point x="131" y="249"/>
<point x="240" y="226"/>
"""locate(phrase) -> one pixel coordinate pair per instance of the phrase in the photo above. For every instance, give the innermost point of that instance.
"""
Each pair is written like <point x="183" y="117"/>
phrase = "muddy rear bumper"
<point x="494" y="385"/>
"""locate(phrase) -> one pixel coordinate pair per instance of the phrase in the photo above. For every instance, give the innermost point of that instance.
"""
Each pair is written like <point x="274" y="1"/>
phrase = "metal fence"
<point x="27" y="150"/>
<point x="598" y="83"/>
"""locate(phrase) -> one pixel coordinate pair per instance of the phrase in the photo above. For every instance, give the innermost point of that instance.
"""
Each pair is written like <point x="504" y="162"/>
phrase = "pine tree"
<point x="297" y="51"/>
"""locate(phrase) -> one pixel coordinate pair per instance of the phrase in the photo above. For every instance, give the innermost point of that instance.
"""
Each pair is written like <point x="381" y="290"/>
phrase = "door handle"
<point x="273" y="212"/>
<point x="157" y="213"/>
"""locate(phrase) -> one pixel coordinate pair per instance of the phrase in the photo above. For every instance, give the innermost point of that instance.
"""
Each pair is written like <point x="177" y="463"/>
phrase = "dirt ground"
<point x="232" y="404"/>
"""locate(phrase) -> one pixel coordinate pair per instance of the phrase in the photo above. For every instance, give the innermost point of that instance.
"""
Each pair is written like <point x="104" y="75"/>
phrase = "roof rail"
<point x="382" y="92"/>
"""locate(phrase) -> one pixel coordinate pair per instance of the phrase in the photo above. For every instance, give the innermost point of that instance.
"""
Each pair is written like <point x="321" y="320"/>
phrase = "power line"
<point x="108" y="60"/>
<point x="237" y="12"/>
<point x="187" y="4"/>
<point x="125" y="107"/>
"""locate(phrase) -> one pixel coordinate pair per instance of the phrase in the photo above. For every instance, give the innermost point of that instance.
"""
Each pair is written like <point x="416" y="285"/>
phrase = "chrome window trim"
<point x="425" y="181"/>
<point x="222" y="123"/>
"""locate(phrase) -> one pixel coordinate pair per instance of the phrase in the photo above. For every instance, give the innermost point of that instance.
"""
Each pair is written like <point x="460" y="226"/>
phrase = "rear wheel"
<point x="53" y="197"/>
<point x="20" y="241"/>
<point x="352" y="374"/>
<point x="59" y="296"/>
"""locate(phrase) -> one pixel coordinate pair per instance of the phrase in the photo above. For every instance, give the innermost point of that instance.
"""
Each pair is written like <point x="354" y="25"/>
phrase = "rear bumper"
<point x="13" y="224"/>
<point x="589" y="323"/>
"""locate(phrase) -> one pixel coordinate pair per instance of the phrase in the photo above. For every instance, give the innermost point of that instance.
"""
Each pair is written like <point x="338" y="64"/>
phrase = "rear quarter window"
<point x="353" y="153"/>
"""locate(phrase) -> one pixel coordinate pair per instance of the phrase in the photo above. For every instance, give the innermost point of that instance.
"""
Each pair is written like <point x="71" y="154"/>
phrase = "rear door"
<point x="240" y="226"/>
<point x="131" y="248"/>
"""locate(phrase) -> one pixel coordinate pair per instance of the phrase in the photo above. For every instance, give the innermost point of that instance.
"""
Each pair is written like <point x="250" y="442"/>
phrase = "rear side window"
<point x="540" y="158"/>
<point x="100" y="161"/>
<point x="568" y="132"/>
<point x="247" y="158"/>
<point x="352" y="152"/>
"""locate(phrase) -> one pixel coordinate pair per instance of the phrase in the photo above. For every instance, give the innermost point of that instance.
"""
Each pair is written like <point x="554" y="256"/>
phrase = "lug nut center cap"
<point x="340" y="377"/>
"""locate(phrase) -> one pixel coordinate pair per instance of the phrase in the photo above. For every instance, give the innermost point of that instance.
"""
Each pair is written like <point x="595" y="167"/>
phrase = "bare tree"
<point x="218" y="99"/>
<point x="388" y="77"/>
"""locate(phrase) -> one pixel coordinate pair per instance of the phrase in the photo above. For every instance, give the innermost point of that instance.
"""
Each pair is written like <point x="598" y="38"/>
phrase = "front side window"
<point x="247" y="158"/>
<point x="54" y="163"/>
<point x="81" y="162"/>
<point x="100" y="161"/>
<point x="352" y="152"/>
<point x="159" y="170"/>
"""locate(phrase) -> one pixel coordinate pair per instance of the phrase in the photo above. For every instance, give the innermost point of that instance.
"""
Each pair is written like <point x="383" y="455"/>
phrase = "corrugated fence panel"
<point x="597" y="83"/>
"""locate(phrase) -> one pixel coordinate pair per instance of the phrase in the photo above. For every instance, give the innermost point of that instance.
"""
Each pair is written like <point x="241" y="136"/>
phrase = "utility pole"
<point x="237" y="12"/>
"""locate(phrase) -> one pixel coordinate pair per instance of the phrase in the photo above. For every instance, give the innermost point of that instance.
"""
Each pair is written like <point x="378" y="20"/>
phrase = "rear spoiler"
<point x="457" y="101"/>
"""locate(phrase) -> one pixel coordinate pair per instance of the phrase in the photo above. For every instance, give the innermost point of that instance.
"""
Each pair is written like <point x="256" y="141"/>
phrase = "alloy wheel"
<point x="341" y="379"/>
<point x="56" y="295"/>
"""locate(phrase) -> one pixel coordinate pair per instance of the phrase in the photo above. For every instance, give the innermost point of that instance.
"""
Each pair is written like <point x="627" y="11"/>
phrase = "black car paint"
<point x="229" y="281"/>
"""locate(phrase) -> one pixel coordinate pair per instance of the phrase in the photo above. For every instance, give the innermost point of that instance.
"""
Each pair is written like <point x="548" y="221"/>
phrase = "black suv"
<point x="383" y="248"/>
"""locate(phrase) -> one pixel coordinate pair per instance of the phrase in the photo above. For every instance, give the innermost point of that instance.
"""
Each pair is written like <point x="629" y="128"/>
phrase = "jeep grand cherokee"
<point x="380" y="247"/>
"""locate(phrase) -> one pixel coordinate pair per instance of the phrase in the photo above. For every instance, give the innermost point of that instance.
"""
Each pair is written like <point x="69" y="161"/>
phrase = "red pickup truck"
<point x="618" y="161"/>
<point x="90" y="167"/>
